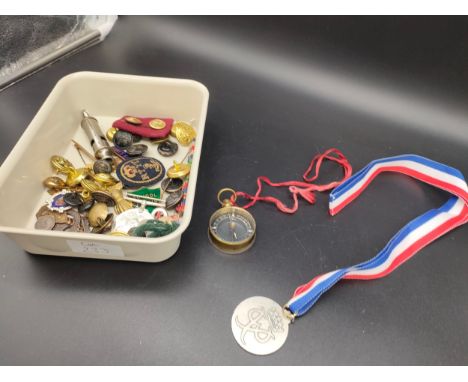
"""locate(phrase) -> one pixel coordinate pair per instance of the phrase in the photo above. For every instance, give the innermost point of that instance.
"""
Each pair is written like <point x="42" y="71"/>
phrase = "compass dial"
<point x="232" y="229"/>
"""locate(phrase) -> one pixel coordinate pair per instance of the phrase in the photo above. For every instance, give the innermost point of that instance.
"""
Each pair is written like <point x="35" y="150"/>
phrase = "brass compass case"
<point x="235" y="217"/>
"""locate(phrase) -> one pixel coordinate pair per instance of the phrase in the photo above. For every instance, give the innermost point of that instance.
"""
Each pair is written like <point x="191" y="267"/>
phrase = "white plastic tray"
<point x="106" y="97"/>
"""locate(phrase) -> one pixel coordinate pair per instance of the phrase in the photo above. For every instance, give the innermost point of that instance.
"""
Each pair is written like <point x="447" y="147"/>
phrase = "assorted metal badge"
<point x="123" y="187"/>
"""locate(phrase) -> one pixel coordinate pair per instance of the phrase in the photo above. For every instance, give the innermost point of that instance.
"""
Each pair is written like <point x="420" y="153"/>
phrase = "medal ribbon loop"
<point x="409" y="240"/>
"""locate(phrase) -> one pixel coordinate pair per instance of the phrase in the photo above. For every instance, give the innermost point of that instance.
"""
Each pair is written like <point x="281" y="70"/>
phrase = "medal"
<point x="256" y="336"/>
<point x="259" y="325"/>
<point x="231" y="229"/>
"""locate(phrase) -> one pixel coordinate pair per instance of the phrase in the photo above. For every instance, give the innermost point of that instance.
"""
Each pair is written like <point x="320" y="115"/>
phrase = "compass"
<point x="231" y="229"/>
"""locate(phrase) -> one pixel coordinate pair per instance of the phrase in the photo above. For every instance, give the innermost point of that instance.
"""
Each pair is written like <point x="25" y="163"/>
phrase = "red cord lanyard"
<point x="306" y="188"/>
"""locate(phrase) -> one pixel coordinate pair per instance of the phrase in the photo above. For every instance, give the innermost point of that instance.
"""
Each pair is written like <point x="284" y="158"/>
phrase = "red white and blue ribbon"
<point x="409" y="240"/>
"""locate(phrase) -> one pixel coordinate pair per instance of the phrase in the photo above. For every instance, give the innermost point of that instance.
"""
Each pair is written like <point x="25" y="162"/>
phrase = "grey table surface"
<point x="281" y="90"/>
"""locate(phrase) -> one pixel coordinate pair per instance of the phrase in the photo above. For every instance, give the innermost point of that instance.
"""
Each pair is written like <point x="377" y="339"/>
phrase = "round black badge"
<point x="136" y="150"/>
<point x="168" y="148"/>
<point x="123" y="139"/>
<point x="102" y="166"/>
<point x="173" y="199"/>
<point x="73" y="199"/>
<point x="140" y="172"/>
<point x="172" y="184"/>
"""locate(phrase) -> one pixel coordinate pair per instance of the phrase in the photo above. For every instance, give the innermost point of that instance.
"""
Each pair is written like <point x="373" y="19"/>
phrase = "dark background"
<point x="281" y="90"/>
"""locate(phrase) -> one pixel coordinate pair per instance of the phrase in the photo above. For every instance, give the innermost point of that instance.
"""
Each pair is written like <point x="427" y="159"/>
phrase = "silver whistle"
<point x="97" y="140"/>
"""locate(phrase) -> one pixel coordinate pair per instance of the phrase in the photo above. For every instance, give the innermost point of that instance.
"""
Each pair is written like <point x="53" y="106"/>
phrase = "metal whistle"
<point x="98" y="142"/>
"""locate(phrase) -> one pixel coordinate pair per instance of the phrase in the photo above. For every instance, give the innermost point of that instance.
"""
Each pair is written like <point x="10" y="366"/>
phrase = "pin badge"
<point x="154" y="193"/>
<point x="57" y="202"/>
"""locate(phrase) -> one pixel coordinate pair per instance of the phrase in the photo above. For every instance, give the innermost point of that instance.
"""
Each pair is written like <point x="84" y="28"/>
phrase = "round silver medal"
<point x="259" y="325"/>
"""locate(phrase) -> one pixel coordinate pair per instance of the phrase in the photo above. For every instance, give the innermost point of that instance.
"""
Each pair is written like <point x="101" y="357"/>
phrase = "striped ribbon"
<point x="409" y="240"/>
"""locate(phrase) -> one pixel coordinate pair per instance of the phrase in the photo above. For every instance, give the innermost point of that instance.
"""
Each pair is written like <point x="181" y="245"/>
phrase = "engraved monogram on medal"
<point x="259" y="325"/>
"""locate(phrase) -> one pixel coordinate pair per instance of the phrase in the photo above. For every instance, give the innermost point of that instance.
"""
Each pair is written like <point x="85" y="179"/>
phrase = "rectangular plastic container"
<point x="106" y="97"/>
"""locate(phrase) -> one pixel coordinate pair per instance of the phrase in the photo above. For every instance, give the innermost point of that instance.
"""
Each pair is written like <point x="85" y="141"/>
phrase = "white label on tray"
<point x="93" y="248"/>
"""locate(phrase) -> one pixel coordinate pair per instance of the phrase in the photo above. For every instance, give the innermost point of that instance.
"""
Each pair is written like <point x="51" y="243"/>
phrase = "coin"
<point x="102" y="166"/>
<point x="172" y="184"/>
<point x="76" y="220"/>
<point x="136" y="150"/>
<point x="103" y="197"/>
<point x="44" y="210"/>
<point x="123" y="139"/>
<point x="60" y="217"/>
<point x="133" y="120"/>
<point x="259" y="325"/>
<point x="73" y="199"/>
<point x="86" y="206"/>
<point x="85" y="224"/>
<point x="173" y="199"/>
<point x="46" y="222"/>
<point x="110" y="133"/>
<point x="168" y="148"/>
<point x="60" y="227"/>
<point x="157" y="124"/>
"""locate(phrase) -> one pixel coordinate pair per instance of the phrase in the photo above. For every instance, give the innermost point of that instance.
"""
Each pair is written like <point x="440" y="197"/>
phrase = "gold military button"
<point x="110" y="133"/>
<point x="157" y="124"/>
<point x="179" y="170"/>
<point x="133" y="120"/>
<point x="184" y="132"/>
